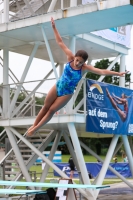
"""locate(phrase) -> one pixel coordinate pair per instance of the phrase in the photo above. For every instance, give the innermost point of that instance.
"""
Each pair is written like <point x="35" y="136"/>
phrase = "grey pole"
<point x="23" y="76"/>
<point x="71" y="150"/>
<point x="111" y="168"/>
<point x="5" y="82"/>
<point x="128" y="152"/>
<point x="62" y="174"/>
<point x="18" y="155"/>
<point x="52" y="152"/>
<point x="79" y="156"/>
<point x="105" y="165"/>
<point x="6" y="11"/>
<point x="73" y="3"/>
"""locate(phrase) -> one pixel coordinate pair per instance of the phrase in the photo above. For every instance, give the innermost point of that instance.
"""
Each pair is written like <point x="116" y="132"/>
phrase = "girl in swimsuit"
<point x="62" y="91"/>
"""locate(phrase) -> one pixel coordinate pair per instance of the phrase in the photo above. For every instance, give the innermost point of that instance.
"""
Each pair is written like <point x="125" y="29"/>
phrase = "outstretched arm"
<point x="103" y="71"/>
<point x="60" y="42"/>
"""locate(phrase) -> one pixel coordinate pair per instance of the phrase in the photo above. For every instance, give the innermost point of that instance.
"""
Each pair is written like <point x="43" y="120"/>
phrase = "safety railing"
<point x="23" y="9"/>
<point x="28" y="102"/>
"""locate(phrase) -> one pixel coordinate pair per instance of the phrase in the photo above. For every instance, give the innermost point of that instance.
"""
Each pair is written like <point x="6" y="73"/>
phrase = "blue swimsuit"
<point x="68" y="81"/>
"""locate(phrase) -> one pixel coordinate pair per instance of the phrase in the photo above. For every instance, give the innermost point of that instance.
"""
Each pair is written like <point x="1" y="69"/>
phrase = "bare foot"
<point x="31" y="132"/>
<point x="30" y="128"/>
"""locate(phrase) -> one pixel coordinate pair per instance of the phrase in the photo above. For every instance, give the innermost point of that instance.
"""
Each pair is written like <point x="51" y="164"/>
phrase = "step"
<point x="11" y="166"/>
<point x="8" y="178"/>
<point x="35" y="140"/>
<point x="26" y="150"/>
<point x="11" y="172"/>
<point x="23" y="146"/>
<point x="10" y="161"/>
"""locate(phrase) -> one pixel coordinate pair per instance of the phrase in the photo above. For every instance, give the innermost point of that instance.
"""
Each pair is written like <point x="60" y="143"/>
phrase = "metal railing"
<point x="24" y="9"/>
<point x="28" y="106"/>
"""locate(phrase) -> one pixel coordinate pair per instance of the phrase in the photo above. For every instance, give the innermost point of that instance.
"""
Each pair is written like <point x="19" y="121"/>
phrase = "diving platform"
<point x="58" y="122"/>
<point x="20" y="35"/>
<point x="32" y="35"/>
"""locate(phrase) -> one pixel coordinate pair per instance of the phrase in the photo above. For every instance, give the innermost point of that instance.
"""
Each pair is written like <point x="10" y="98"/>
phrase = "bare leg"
<point x="50" y="98"/>
<point x="71" y="173"/>
<point x="111" y="99"/>
<point x="121" y="113"/>
<point x="55" y="106"/>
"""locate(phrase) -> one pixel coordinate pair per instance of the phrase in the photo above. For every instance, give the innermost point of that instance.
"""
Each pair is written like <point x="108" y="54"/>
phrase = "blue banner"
<point x="109" y="109"/>
<point x="94" y="169"/>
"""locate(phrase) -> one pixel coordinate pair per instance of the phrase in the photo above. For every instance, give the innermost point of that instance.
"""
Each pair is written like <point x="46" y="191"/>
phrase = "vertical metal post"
<point x="23" y="76"/>
<point x="6" y="11"/>
<point x="61" y="68"/>
<point x="34" y="107"/>
<point x="109" y="155"/>
<point x="62" y="5"/>
<point x="72" y="46"/>
<point x="51" y="155"/>
<point x="52" y="5"/>
<point x="71" y="150"/>
<point x="128" y="152"/>
<point x="122" y="69"/>
<point x="79" y="156"/>
<point x="49" y="52"/>
<point x="109" y="167"/>
<point x="18" y="155"/>
<point x="124" y="137"/>
<point x="84" y="97"/>
<point x="5" y="82"/>
<point x="73" y="3"/>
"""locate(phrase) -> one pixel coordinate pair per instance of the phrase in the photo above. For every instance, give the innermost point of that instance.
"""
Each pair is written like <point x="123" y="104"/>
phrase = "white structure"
<point x="25" y="29"/>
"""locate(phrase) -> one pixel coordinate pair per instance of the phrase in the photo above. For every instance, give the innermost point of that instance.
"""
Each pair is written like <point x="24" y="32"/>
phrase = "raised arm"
<point x="60" y="42"/>
<point x="102" y="71"/>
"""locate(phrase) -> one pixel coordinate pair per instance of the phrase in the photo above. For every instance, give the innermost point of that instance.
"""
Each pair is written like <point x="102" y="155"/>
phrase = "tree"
<point x="104" y="64"/>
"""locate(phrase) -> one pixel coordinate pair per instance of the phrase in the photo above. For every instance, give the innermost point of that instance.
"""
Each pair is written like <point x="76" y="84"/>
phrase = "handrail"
<point x="11" y="149"/>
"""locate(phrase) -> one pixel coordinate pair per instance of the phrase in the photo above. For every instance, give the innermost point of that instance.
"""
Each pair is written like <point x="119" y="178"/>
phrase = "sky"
<point x="39" y="68"/>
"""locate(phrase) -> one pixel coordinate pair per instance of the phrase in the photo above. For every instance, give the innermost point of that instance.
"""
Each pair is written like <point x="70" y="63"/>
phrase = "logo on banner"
<point x="96" y="92"/>
<point x="120" y="32"/>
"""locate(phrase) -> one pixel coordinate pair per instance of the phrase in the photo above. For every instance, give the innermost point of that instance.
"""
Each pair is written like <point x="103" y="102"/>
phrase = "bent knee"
<point x="51" y="111"/>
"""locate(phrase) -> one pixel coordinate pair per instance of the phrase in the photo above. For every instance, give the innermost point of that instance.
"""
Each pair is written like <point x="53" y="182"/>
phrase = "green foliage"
<point x="104" y="64"/>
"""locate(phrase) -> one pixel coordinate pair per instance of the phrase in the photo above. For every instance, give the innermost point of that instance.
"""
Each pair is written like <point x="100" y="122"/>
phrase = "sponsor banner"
<point x="94" y="169"/>
<point x="109" y="108"/>
<point x="121" y="35"/>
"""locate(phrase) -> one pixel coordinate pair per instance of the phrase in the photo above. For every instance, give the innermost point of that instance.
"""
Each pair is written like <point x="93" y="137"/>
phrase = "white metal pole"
<point x="49" y="52"/>
<point x="6" y="11"/>
<point x="52" y="5"/>
<point x="61" y="68"/>
<point x="72" y="46"/>
<point x="33" y="91"/>
<point x="23" y="76"/>
<point x="102" y="161"/>
<point x="5" y="83"/>
<point x="107" y="160"/>
<point x="128" y="152"/>
<point x="51" y="155"/>
<point x="79" y="156"/>
<point x="73" y="3"/>
<point x="62" y="5"/>
<point x="62" y="174"/>
<point x="71" y="150"/>
<point x="18" y="155"/>
<point x="122" y="69"/>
